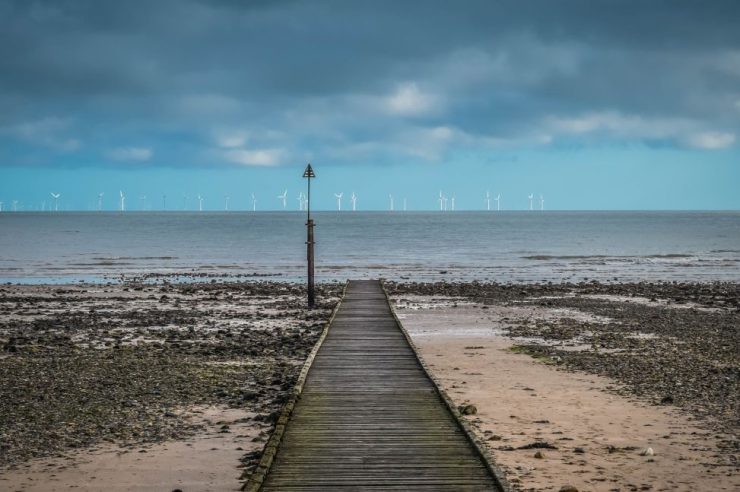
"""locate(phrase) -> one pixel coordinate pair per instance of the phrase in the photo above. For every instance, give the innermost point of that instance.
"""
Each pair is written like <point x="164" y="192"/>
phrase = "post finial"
<point x="308" y="173"/>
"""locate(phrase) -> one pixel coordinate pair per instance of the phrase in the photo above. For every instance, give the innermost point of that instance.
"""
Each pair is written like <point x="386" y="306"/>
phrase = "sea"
<point x="508" y="247"/>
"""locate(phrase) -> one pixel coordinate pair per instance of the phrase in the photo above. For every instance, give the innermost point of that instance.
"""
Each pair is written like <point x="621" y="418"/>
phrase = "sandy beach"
<point x="516" y="353"/>
<point x="146" y="386"/>
<point x="160" y="386"/>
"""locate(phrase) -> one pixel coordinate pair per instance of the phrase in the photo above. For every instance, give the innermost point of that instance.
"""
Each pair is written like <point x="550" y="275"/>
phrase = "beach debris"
<point x="467" y="409"/>
<point x="647" y="452"/>
<point x="616" y="449"/>
<point x="538" y="445"/>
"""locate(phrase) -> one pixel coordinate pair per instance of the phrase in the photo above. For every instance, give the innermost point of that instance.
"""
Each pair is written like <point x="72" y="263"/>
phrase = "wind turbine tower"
<point x="15" y="205"/>
<point x="227" y="202"/>
<point x="444" y="203"/>
<point x="441" y="200"/>
<point x="300" y="201"/>
<point x="498" y="202"/>
<point x="100" y="202"/>
<point x="254" y="203"/>
<point x="56" y="196"/>
<point x="391" y="198"/>
<point x="542" y="202"/>
<point x="531" y="197"/>
<point x="123" y="201"/>
<point x="339" y="200"/>
<point x="452" y="203"/>
<point x="488" y="201"/>
<point x="164" y="202"/>
<point x="200" y="203"/>
<point x="353" y="199"/>
<point x="284" y="197"/>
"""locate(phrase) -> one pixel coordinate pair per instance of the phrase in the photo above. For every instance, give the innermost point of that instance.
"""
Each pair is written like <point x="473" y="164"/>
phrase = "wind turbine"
<point x="391" y="197"/>
<point x="15" y="205"/>
<point x="56" y="200"/>
<point x="452" y="203"/>
<point x="353" y="199"/>
<point x="254" y="203"/>
<point x="542" y="202"/>
<point x="100" y="202"/>
<point x="441" y="201"/>
<point x="339" y="200"/>
<point x="200" y="203"/>
<point x="164" y="202"/>
<point x="227" y="202"/>
<point x="488" y="201"/>
<point x="284" y="197"/>
<point x="498" y="202"/>
<point x="300" y="201"/>
<point x="531" y="196"/>
<point x="123" y="201"/>
<point x="1" y="206"/>
<point x="142" y="199"/>
<point x="444" y="203"/>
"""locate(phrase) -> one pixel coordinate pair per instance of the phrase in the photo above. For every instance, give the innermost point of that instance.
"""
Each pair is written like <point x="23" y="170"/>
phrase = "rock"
<point x="647" y="452"/>
<point x="468" y="409"/>
<point x="539" y="455"/>
<point x="568" y="488"/>
<point x="579" y="451"/>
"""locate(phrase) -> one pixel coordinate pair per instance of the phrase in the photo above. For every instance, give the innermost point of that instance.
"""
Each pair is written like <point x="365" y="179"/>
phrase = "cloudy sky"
<point x="594" y="104"/>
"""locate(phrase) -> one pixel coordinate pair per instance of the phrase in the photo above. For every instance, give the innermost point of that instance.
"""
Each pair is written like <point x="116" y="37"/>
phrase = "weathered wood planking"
<point x="369" y="418"/>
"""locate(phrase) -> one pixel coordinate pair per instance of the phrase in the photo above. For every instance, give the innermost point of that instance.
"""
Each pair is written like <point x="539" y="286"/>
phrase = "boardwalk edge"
<point x="255" y="480"/>
<point x="480" y="448"/>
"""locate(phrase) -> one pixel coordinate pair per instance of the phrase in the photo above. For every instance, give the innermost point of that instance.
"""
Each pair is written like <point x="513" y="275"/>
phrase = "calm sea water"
<point x="501" y="246"/>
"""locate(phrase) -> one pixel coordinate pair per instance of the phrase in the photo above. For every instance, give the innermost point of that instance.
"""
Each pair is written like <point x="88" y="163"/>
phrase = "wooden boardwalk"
<point x="369" y="418"/>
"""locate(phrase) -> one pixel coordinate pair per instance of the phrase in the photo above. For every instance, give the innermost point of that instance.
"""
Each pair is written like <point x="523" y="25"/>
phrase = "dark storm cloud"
<point x="257" y="83"/>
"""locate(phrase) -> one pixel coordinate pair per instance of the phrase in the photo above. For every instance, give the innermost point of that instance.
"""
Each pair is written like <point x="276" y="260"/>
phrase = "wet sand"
<point x="549" y="425"/>
<point x="129" y="387"/>
<point x="146" y="387"/>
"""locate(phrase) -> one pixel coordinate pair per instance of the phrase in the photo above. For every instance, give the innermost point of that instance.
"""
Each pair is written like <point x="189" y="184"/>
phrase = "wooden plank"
<point x="369" y="417"/>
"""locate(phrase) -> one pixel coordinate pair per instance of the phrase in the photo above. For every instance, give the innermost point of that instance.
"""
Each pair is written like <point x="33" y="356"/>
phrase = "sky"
<point x="593" y="104"/>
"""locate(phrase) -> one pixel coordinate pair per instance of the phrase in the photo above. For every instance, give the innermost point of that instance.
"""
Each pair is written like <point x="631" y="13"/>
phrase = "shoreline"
<point x="126" y="365"/>
<point x="151" y="353"/>
<point x="516" y="353"/>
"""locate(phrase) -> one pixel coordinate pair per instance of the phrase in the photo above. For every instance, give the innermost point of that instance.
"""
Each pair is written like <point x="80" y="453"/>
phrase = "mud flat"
<point x="599" y="386"/>
<point x="141" y="386"/>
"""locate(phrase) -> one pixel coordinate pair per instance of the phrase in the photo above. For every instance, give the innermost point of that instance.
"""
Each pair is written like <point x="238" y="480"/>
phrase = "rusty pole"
<point x="308" y="173"/>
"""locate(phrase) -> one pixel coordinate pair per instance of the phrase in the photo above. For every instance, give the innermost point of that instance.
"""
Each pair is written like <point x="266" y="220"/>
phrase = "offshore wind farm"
<point x="244" y="202"/>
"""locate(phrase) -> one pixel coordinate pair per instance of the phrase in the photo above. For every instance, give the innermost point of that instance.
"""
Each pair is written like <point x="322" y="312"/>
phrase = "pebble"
<point x="468" y="409"/>
<point x="647" y="452"/>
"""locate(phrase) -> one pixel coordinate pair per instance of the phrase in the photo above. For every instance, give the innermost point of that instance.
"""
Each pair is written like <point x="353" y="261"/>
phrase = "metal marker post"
<point x="308" y="173"/>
